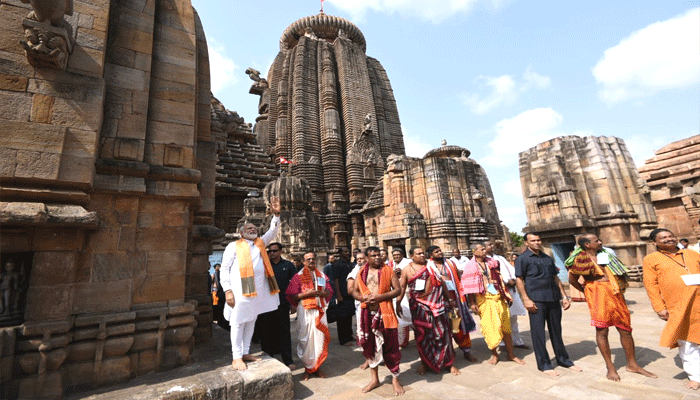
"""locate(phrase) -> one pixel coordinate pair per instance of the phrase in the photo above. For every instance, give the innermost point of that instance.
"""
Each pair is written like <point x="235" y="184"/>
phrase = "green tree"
<point x="516" y="239"/>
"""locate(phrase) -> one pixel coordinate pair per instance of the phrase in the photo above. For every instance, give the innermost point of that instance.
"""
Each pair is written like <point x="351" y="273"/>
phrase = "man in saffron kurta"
<point x="428" y="306"/>
<point x="489" y="299"/>
<point x="312" y="289"/>
<point x="375" y="287"/>
<point x="674" y="301"/>
<point x="604" y="288"/>
<point x="249" y="283"/>
<point x="456" y="299"/>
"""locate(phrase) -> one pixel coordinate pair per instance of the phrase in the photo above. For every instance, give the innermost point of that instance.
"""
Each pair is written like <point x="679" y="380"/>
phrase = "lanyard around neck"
<point x="676" y="261"/>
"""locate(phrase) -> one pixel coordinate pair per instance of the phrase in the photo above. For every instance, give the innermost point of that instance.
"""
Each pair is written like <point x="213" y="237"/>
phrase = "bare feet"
<point x="398" y="389"/>
<point x="493" y="360"/>
<point x="292" y="367"/>
<point x="613" y="376"/>
<point x="470" y="357"/>
<point x="364" y="365"/>
<point x="320" y="373"/>
<point x="692" y="385"/>
<point x="639" y="370"/>
<point x="238" y="364"/>
<point x="373" y="384"/>
<point x="517" y="360"/>
<point x="249" y="358"/>
<point x="550" y="372"/>
<point x="421" y="369"/>
<point x="305" y="376"/>
<point x="575" y="368"/>
<point x="454" y="370"/>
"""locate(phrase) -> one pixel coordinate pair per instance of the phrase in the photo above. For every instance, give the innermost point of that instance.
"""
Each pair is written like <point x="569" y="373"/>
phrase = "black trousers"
<point x="274" y="333"/>
<point x="344" y="329"/>
<point x="548" y="312"/>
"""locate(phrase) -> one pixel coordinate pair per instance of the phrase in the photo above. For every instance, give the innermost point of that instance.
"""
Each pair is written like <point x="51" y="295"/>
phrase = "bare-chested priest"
<point x="425" y="289"/>
<point x="375" y="287"/>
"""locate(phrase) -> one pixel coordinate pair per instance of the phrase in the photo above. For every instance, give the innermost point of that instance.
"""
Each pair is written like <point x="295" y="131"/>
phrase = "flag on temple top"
<point x="285" y="161"/>
<point x="321" y="6"/>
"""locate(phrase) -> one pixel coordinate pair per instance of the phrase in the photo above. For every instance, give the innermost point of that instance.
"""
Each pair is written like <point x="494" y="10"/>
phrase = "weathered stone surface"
<point x="91" y="297"/>
<point x="574" y="185"/>
<point x="673" y="177"/>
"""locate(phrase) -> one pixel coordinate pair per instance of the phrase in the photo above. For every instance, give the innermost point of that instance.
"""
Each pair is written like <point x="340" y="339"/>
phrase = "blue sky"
<point x="496" y="76"/>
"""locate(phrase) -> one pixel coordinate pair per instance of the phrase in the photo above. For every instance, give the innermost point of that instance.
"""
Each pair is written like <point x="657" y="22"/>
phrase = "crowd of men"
<point x="436" y="297"/>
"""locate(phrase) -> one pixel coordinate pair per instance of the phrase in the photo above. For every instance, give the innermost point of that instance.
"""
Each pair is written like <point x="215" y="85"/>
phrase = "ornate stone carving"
<point x="48" y="37"/>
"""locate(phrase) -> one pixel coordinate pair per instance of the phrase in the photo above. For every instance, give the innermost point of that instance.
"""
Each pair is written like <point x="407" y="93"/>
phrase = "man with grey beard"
<point x="249" y="283"/>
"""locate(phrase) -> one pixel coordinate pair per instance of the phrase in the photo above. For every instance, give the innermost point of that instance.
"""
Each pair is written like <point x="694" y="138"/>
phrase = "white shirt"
<point x="248" y="308"/>
<point x="508" y="273"/>
<point x="460" y="263"/>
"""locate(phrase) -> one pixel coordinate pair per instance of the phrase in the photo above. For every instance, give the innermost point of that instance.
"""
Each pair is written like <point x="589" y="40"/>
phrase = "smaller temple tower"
<point x="573" y="185"/>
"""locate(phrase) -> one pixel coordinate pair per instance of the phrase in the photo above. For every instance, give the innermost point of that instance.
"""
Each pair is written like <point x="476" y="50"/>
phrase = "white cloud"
<point x="663" y="55"/>
<point x="519" y="133"/>
<point x="512" y="187"/>
<point x="504" y="90"/>
<point x="222" y="69"/>
<point x="430" y="10"/>
<point x="414" y="146"/>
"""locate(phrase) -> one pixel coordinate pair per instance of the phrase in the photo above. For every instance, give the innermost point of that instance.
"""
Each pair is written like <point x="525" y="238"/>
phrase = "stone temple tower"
<point x="329" y="109"/>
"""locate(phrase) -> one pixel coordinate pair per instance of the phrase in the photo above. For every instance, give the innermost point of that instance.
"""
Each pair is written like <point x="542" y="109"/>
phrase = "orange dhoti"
<point x="607" y="308"/>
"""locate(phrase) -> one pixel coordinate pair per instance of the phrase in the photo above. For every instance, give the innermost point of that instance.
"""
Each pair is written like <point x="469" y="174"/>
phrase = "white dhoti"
<point x="314" y="338"/>
<point x="690" y="355"/>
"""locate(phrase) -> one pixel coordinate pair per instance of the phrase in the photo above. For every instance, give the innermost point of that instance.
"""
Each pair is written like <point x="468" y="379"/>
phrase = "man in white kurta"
<point x="459" y="260"/>
<point x="242" y="311"/>
<point x="517" y="308"/>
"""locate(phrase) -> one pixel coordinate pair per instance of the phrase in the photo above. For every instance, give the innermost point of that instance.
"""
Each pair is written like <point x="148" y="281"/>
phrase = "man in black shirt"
<point x="345" y="307"/>
<point x="275" y="335"/>
<point x="541" y="292"/>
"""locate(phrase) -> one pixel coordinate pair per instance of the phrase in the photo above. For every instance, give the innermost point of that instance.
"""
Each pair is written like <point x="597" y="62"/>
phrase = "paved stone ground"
<point x="508" y="380"/>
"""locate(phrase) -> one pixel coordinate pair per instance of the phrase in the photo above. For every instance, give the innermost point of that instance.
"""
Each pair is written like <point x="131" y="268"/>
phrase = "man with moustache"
<point x="249" y="284"/>
<point x="543" y="296"/>
<point x="431" y="323"/>
<point x="458" y="259"/>
<point x="375" y="287"/>
<point x="604" y="290"/>
<point x="309" y="291"/>
<point x="675" y="301"/>
<point x="456" y="299"/>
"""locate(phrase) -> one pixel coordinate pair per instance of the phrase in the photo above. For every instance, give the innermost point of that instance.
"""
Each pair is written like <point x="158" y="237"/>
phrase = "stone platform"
<point x="270" y="379"/>
<point x="209" y="376"/>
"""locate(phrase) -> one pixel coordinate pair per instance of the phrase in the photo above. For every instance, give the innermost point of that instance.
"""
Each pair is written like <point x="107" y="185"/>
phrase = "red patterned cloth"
<point x="431" y="323"/>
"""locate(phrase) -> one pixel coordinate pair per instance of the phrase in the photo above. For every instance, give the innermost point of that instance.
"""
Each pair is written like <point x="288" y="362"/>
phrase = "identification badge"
<point x="450" y="285"/>
<point x="491" y="289"/>
<point x="603" y="258"/>
<point x="321" y="281"/>
<point x="420" y="284"/>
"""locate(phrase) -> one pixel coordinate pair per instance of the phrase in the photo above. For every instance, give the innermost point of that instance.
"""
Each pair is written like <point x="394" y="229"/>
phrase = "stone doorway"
<point x="561" y="252"/>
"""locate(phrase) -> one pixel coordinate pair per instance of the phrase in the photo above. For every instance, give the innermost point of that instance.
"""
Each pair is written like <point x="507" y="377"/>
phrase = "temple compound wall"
<point x="442" y="199"/>
<point x="107" y="172"/>
<point x="673" y="177"/>
<point x="572" y="185"/>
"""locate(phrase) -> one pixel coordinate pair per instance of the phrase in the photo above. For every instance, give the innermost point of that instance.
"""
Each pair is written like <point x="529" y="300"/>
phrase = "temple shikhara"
<point x="121" y="174"/>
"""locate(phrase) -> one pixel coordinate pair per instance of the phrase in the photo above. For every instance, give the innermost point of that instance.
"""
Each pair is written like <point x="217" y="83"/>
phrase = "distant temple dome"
<point x="324" y="27"/>
<point x="447" y="151"/>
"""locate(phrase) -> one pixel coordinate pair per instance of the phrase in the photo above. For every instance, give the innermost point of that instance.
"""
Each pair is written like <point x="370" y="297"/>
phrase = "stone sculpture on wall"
<point x="48" y="40"/>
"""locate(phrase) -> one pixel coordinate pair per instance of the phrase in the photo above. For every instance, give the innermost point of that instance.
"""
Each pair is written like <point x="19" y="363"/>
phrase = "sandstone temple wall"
<point x="673" y="177"/>
<point x="107" y="172"/>
<point x="572" y="185"/>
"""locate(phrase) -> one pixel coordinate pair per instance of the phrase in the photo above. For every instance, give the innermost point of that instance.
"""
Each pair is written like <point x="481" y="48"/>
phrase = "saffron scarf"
<point x="245" y="265"/>
<point x="387" y="307"/>
<point x="308" y="281"/>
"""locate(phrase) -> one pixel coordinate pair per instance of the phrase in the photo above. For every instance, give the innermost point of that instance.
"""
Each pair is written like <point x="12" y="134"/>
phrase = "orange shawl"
<point x="245" y="264"/>
<point x="308" y="281"/>
<point x="387" y="307"/>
